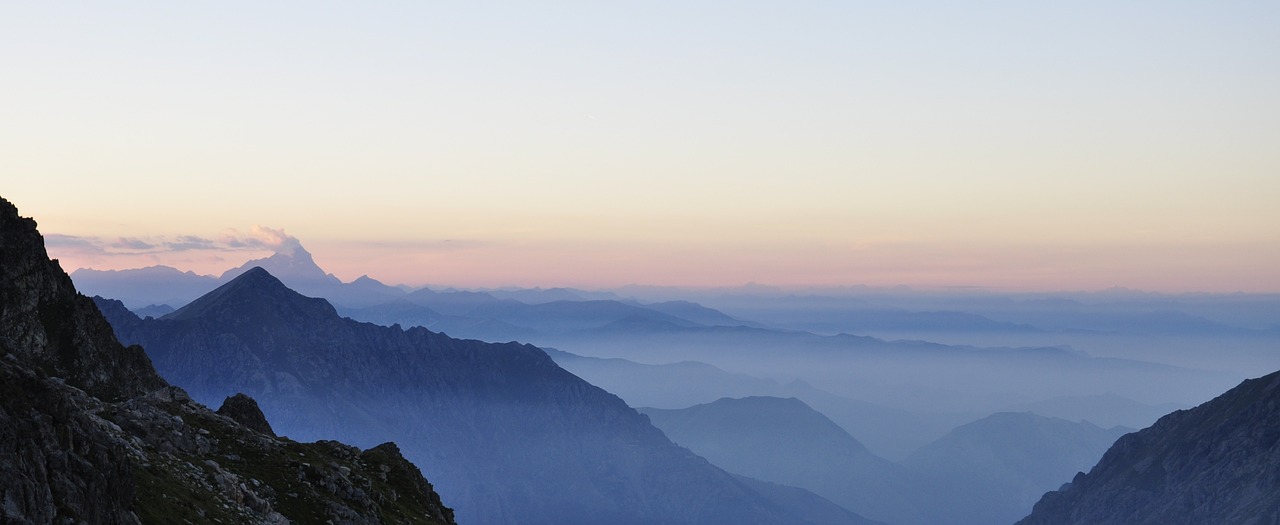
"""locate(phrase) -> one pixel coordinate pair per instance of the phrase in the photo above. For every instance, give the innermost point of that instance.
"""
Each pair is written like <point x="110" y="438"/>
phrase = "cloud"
<point x="132" y="243"/>
<point x="54" y="240"/>
<point x="262" y="238"/>
<point x="257" y="239"/>
<point x="191" y="242"/>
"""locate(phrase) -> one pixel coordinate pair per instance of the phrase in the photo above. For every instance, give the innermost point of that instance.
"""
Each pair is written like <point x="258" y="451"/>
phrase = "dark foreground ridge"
<point x="89" y="433"/>
<point x="1216" y="463"/>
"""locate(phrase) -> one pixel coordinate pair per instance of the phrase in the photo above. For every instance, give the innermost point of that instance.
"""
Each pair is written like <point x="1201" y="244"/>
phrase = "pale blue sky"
<point x="1024" y="145"/>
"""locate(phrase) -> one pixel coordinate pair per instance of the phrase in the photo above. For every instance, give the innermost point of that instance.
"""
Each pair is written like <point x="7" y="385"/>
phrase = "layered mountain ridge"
<point x="507" y="435"/>
<point x="89" y="433"/>
<point x="1216" y="463"/>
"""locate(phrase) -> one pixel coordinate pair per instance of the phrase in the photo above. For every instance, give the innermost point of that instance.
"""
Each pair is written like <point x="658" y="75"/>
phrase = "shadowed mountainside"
<point x="1215" y="463"/>
<point x="508" y="436"/>
<point x="89" y="433"/>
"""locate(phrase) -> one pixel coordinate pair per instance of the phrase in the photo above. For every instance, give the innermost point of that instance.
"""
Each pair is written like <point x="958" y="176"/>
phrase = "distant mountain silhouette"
<point x="1104" y="410"/>
<point x="481" y="315"/>
<point x="144" y="286"/>
<point x="506" y="435"/>
<point x="154" y="310"/>
<point x="917" y="376"/>
<point x="89" y="433"/>
<point x="669" y="385"/>
<point x="1215" y="463"/>
<point x="993" y="469"/>
<point x="296" y="267"/>
<point x="785" y="441"/>
<point x="889" y="432"/>
<point x="697" y="313"/>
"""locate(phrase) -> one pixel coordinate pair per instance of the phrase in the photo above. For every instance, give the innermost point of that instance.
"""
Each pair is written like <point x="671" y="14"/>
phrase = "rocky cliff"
<point x="89" y="433"/>
<point x="1216" y="463"/>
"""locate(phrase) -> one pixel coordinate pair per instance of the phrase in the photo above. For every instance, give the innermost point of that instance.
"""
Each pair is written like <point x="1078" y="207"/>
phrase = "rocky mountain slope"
<point x="1215" y="463"/>
<point x="508" y="436"/>
<point x="89" y="433"/>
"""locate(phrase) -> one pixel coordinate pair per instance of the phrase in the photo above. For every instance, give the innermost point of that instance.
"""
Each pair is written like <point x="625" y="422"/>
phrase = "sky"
<point x="1005" y="145"/>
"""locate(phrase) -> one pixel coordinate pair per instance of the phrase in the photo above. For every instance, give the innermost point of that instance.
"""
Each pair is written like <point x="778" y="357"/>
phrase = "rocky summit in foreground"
<point x="1213" y="464"/>
<point x="89" y="433"/>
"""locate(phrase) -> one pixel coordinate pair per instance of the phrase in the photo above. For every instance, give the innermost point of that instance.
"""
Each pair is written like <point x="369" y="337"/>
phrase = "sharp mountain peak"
<point x="293" y="263"/>
<point x="256" y="292"/>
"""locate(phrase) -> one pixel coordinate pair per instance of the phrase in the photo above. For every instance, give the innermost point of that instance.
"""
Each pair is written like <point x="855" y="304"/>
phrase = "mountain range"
<point x="490" y="421"/>
<point x="90" y="433"/>
<point x="992" y="470"/>
<point x="785" y="441"/>
<point x="988" y="471"/>
<point x="1216" y="463"/>
<point x="506" y="434"/>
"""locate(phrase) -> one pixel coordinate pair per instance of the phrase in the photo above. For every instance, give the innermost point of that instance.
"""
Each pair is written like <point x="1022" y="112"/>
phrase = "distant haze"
<point x="1008" y="145"/>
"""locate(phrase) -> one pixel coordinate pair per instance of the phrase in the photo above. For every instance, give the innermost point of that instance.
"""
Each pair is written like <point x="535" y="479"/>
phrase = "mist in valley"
<point x="898" y="406"/>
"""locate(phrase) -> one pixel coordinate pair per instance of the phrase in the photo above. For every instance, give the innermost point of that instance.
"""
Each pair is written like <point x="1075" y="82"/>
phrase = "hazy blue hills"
<point x="691" y="311"/>
<point x="784" y="441"/>
<point x="1104" y="410"/>
<point x="154" y="310"/>
<point x="992" y="470"/>
<point x="987" y="471"/>
<point x="915" y="375"/>
<point x="480" y="315"/>
<point x="144" y="286"/>
<point x="1216" y="463"/>
<point x="668" y="385"/>
<point x="505" y="434"/>
<point x="407" y="313"/>
<point x="890" y="432"/>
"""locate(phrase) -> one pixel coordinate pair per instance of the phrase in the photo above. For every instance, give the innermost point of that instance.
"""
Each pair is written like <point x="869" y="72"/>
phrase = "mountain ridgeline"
<point x="506" y="434"/>
<point x="987" y="471"/>
<point x="90" y="433"/>
<point x="1215" y="463"/>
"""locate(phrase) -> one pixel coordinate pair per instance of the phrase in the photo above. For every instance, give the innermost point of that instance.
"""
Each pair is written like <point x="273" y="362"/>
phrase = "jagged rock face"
<point x="1216" y="463"/>
<point x="89" y="433"/>
<point x="49" y="325"/>
<point x="507" y="436"/>
<point x="56" y="460"/>
<point x="245" y="411"/>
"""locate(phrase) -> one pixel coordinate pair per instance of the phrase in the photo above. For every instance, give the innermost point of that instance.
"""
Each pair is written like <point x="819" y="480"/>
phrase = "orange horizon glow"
<point x="1164" y="269"/>
<point x="1013" y="146"/>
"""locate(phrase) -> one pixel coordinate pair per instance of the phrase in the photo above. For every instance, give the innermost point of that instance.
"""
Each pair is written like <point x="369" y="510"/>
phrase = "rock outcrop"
<point x="89" y="433"/>
<point x="49" y="326"/>
<point x="245" y="411"/>
<point x="1215" y="463"/>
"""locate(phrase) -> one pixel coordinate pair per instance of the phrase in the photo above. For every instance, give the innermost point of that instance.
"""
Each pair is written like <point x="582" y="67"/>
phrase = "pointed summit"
<point x="47" y="324"/>
<point x="293" y="264"/>
<point x="254" y="294"/>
